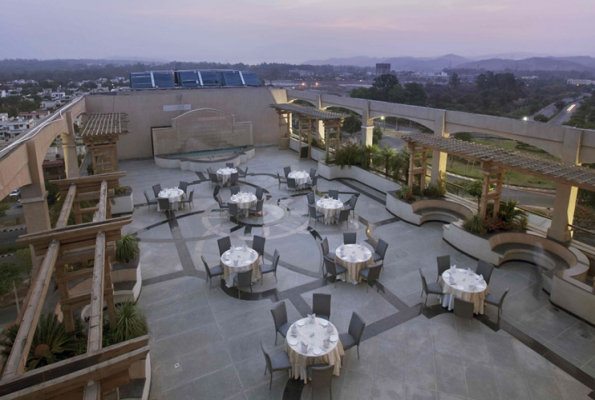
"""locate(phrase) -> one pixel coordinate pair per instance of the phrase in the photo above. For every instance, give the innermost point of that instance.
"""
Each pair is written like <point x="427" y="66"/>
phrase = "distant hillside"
<point x="530" y="64"/>
<point x="398" y="63"/>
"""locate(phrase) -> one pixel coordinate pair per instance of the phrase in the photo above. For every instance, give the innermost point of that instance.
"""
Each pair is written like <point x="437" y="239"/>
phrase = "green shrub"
<point x="347" y="155"/>
<point x="377" y="135"/>
<point x="475" y="224"/>
<point x="130" y="323"/>
<point x="4" y="207"/>
<point x="127" y="248"/>
<point x="120" y="190"/>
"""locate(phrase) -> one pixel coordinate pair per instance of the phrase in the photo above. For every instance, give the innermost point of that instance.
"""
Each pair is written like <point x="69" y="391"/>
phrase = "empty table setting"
<point x="464" y="284"/>
<point x="311" y="341"/>
<point x="239" y="259"/>
<point x="244" y="200"/>
<point x="329" y="207"/>
<point x="225" y="174"/>
<point x="302" y="178"/>
<point x="354" y="257"/>
<point x="174" y="195"/>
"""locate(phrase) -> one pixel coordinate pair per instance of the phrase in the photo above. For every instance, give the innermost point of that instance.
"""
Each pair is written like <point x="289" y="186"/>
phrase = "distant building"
<point x="382" y="69"/>
<point x="48" y="104"/>
<point x="580" y="82"/>
<point x="3" y="117"/>
<point x="15" y="126"/>
<point x="34" y="114"/>
<point x="57" y="95"/>
<point x="53" y="169"/>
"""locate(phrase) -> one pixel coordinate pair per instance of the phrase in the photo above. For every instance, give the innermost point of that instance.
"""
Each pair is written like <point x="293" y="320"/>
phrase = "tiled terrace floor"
<point x="205" y="343"/>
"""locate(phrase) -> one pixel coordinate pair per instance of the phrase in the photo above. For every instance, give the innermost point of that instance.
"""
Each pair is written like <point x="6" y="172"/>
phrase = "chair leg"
<point x="358" y="351"/>
<point x="271" y="384"/>
<point x="276" y="277"/>
<point x="276" y="335"/>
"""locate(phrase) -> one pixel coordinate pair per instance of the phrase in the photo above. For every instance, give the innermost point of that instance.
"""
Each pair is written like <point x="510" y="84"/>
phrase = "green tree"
<point x="9" y="273"/>
<point x="4" y="207"/>
<point x="384" y="83"/>
<point x="377" y="135"/>
<point x="23" y="261"/>
<point x="464" y="136"/>
<point x="541" y="118"/>
<point x="454" y="81"/>
<point x="352" y="124"/>
<point x="415" y="94"/>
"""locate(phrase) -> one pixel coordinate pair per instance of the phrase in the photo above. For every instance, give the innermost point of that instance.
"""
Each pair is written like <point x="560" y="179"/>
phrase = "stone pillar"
<point x="439" y="158"/>
<point x="69" y="148"/>
<point x="367" y="126"/>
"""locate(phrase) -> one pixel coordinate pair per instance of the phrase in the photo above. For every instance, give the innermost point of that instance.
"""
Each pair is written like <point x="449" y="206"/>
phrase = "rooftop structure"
<point x="192" y="78"/>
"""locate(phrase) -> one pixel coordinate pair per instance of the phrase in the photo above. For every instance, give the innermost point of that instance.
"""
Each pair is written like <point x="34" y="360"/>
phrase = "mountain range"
<point x="493" y="63"/>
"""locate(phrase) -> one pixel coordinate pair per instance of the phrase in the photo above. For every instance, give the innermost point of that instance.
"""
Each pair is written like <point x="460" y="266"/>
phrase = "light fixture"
<point x="525" y="118"/>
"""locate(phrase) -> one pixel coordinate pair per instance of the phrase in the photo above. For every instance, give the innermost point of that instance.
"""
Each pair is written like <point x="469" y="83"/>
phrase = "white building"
<point x="57" y="95"/>
<point x="578" y="82"/>
<point x="13" y="127"/>
<point x="49" y="104"/>
<point x="3" y="117"/>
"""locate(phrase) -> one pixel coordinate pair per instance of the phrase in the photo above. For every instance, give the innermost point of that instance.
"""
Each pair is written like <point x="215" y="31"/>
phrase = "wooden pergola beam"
<point x="66" y="207"/>
<point x="96" y="317"/>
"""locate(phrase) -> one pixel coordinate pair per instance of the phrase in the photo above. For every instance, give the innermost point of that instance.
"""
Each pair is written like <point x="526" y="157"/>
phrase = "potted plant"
<point x="122" y="201"/>
<point x="127" y="248"/>
<point x="130" y="323"/>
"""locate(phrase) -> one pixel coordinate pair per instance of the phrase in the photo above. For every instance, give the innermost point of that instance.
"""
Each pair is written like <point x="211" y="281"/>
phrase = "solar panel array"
<point x="192" y="78"/>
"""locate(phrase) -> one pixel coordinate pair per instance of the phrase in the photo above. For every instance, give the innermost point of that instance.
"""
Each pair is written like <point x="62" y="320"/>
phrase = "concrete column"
<point x="439" y="158"/>
<point x="368" y="132"/>
<point x="69" y="147"/>
<point x="564" y="206"/>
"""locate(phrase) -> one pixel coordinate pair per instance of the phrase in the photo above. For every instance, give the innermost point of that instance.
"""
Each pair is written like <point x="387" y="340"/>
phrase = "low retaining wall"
<point x="122" y="204"/>
<point x="331" y="172"/>
<point x="413" y="213"/>
<point x="186" y="164"/>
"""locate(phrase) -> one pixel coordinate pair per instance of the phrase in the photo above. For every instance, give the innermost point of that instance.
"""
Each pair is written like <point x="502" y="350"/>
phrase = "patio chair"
<point x="351" y="204"/>
<point x="233" y="210"/>
<point x="183" y="185"/>
<point x="164" y="204"/>
<point x="321" y="305"/>
<point x="432" y="288"/>
<point x="279" y="313"/>
<point x="257" y="207"/>
<point x="277" y="362"/>
<point x="216" y="270"/>
<point x="156" y="190"/>
<point x="222" y="205"/>
<point x="268" y="268"/>
<point x="498" y="302"/>
<point x="349" y="237"/>
<point x="259" y="193"/>
<point x="258" y="245"/>
<point x="233" y="179"/>
<point x="243" y="280"/>
<point x="313" y="213"/>
<point x="234" y="190"/>
<point x="333" y="194"/>
<point x="343" y="216"/>
<point x="215" y="179"/>
<point x="291" y="185"/>
<point x="443" y="265"/>
<point x="281" y="180"/>
<point x="463" y="308"/>
<point x="286" y="170"/>
<point x="189" y="200"/>
<point x="333" y="269"/>
<point x="314" y="182"/>
<point x="150" y="202"/>
<point x="326" y="251"/>
<point x="224" y="244"/>
<point x="312" y="173"/>
<point x="322" y="376"/>
<point x="380" y="251"/>
<point x="354" y="333"/>
<point x="484" y="268"/>
<point x="371" y="276"/>
<point x="242" y="173"/>
<point x="311" y="198"/>
<point x="229" y="165"/>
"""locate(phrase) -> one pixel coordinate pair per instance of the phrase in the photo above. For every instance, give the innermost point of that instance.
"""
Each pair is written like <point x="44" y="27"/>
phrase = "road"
<point x="564" y="115"/>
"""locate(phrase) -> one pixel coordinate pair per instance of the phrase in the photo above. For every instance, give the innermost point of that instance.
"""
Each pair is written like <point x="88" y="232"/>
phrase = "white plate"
<point x="334" y="338"/>
<point x="301" y="322"/>
<point x="446" y="273"/>
<point x="317" y="351"/>
<point x="324" y="323"/>
<point x="292" y="341"/>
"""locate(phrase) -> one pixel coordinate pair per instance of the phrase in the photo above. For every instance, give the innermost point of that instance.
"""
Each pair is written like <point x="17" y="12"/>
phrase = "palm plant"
<point x="383" y="158"/>
<point x="50" y="343"/>
<point x="475" y="224"/>
<point x="366" y="155"/>
<point x="130" y="323"/>
<point x="127" y="248"/>
<point x="347" y="155"/>
<point x="513" y="218"/>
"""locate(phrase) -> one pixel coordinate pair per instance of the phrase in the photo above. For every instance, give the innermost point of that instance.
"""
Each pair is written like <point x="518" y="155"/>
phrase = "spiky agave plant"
<point x="127" y="248"/>
<point x="50" y="343"/>
<point x="130" y="323"/>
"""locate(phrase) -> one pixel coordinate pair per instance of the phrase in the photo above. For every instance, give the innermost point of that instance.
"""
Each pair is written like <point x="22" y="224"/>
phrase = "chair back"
<point x="258" y="244"/>
<point x="234" y="190"/>
<point x="224" y="244"/>
<point x="484" y="268"/>
<point x="381" y="248"/>
<point x="245" y="279"/>
<point x="322" y="375"/>
<point x="503" y="296"/>
<point x="291" y="183"/>
<point x="314" y="181"/>
<point x="183" y="185"/>
<point x="259" y="205"/>
<point x="209" y="171"/>
<point x="276" y="258"/>
<point x="213" y="177"/>
<point x="374" y="274"/>
<point x="311" y="210"/>
<point x="321" y="304"/>
<point x="463" y="308"/>
<point x="325" y="248"/>
<point x="233" y="179"/>
<point x="312" y="173"/>
<point x="356" y="327"/>
<point x="156" y="190"/>
<point x="229" y="165"/>
<point x="191" y="196"/>
<point x="349" y="237"/>
<point x="443" y="264"/>
<point x="279" y="313"/>
<point x="333" y="194"/>
<point x="233" y="210"/>
<point x="330" y="267"/>
<point x="286" y="170"/>
<point x="206" y="267"/>
<point x="259" y="193"/>
<point x="279" y="178"/>
<point x="164" y="204"/>
<point x="311" y="198"/>
<point x="147" y="197"/>
<point x="219" y="200"/>
<point x="344" y="215"/>
<point x="267" y="357"/>
<point x="353" y="201"/>
<point x="424" y="284"/>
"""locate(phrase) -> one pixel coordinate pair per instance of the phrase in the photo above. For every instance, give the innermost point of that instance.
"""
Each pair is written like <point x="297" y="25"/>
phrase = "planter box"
<point x="368" y="178"/>
<point x="122" y="204"/>
<point x="438" y="210"/>
<point x="283" y="143"/>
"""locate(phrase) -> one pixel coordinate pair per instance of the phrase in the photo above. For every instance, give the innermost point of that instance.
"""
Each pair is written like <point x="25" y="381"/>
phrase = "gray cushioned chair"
<point x="279" y="313"/>
<point x="224" y="244"/>
<point x="212" y="272"/>
<point x="243" y="280"/>
<point x="498" y="302"/>
<point x="432" y="288"/>
<point x="274" y="363"/>
<point x="321" y="305"/>
<point x="484" y="268"/>
<point x="354" y="333"/>
<point x="463" y="308"/>
<point x="322" y="376"/>
<point x="268" y="268"/>
<point x="443" y="263"/>
<point x="349" y="237"/>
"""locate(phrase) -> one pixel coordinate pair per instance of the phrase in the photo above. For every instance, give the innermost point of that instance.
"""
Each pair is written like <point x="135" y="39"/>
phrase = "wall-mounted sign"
<point x="177" y="107"/>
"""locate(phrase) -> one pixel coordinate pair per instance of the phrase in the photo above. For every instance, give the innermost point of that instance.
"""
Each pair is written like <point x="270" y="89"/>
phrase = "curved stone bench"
<point x="427" y="210"/>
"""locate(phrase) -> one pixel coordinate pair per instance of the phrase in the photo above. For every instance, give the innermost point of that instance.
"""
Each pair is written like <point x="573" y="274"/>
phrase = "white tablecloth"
<point x="301" y="178"/>
<point x="362" y="259"/>
<point x="225" y="174"/>
<point x="464" y="284"/>
<point x="174" y="195"/>
<point x="314" y="336"/>
<point x="329" y="207"/>
<point x="244" y="200"/>
<point x="246" y="259"/>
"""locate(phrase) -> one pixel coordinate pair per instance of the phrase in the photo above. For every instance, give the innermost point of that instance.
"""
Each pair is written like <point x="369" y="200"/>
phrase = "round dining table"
<point x="311" y="341"/>
<point x="329" y="207"/>
<point x="244" y="200"/>
<point x="302" y="178"/>
<point x="464" y="284"/>
<point x="225" y="174"/>
<point x="354" y="257"/>
<point x="174" y="195"/>
<point x="239" y="259"/>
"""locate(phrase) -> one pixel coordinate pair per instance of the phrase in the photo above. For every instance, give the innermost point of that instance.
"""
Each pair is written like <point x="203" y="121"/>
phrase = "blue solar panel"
<point x="141" y="80"/>
<point x="188" y="78"/>
<point x="163" y="79"/>
<point x="251" y="79"/>
<point x="210" y="78"/>
<point x="232" y="78"/>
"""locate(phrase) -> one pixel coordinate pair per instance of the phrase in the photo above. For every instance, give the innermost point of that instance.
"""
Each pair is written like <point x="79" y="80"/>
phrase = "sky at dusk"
<point x="294" y="31"/>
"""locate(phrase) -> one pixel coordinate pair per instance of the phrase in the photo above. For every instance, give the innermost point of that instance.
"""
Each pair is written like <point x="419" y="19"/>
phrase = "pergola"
<point x="100" y="132"/>
<point x="332" y="124"/>
<point x="494" y="163"/>
<point x="100" y="370"/>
